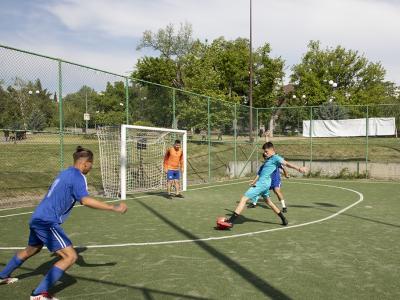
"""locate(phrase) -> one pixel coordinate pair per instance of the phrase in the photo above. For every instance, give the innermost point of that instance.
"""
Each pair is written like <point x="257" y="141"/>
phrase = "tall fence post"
<point x="257" y="131"/>
<point x="61" y="115"/>
<point x="174" y="125"/>
<point x="127" y="99"/>
<point x="366" y="143"/>
<point x="311" y="141"/>
<point x="235" y="162"/>
<point x="209" y="138"/>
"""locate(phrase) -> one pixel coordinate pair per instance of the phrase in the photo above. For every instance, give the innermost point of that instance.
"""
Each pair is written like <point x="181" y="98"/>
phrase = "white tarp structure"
<point x="350" y="127"/>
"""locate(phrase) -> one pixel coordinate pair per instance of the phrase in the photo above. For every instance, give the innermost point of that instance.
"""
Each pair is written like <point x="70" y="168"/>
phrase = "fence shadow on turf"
<point x="253" y="279"/>
<point x="362" y="218"/>
<point x="68" y="280"/>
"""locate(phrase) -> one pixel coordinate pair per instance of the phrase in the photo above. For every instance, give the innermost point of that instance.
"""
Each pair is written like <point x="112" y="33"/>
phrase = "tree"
<point x="36" y="121"/>
<point x="357" y="80"/>
<point x="172" y="47"/>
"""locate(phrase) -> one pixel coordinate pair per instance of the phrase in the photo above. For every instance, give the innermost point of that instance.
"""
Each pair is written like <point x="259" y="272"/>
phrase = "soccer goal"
<point x="131" y="158"/>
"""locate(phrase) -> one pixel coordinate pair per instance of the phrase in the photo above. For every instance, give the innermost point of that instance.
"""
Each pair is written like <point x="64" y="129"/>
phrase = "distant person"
<point x="6" y="135"/>
<point x="69" y="187"/>
<point x="173" y="167"/>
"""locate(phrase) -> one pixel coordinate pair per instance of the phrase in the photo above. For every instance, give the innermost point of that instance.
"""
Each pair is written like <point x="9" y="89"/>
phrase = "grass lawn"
<point x="168" y="253"/>
<point x="29" y="166"/>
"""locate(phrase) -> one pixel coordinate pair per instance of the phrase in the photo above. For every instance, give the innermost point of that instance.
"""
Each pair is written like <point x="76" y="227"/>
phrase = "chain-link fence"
<point x="48" y="106"/>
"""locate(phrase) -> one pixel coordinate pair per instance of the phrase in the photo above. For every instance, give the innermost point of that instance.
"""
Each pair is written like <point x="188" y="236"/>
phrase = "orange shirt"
<point x="173" y="159"/>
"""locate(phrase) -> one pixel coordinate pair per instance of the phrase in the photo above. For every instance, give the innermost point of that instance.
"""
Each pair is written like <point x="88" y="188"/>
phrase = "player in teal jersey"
<point x="262" y="186"/>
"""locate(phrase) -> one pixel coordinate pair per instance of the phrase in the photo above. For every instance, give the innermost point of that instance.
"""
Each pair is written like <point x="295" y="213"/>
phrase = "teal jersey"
<point x="269" y="167"/>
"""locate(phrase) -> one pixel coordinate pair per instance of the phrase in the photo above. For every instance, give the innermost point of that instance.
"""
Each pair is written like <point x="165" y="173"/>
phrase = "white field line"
<point x="361" y="198"/>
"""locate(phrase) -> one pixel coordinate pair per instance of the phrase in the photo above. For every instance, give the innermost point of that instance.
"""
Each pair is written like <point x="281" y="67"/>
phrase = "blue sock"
<point x="51" y="278"/>
<point x="14" y="263"/>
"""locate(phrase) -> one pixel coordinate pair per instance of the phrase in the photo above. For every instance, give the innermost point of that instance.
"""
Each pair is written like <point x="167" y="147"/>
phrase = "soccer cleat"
<point x="252" y="205"/>
<point x="284" y="221"/>
<point x="179" y="196"/>
<point x="223" y="224"/>
<point x="8" y="280"/>
<point x="169" y="196"/>
<point x="43" y="296"/>
<point x="284" y="209"/>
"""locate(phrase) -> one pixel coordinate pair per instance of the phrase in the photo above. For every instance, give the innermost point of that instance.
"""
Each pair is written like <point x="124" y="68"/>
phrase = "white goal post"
<point x="131" y="158"/>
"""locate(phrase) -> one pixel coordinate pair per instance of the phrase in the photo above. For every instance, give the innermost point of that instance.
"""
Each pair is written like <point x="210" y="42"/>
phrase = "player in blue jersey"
<point x="261" y="187"/>
<point x="275" y="185"/>
<point x="69" y="187"/>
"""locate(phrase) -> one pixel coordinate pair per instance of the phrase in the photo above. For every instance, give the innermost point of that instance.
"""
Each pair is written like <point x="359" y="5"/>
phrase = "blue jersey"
<point x="267" y="169"/>
<point x="70" y="186"/>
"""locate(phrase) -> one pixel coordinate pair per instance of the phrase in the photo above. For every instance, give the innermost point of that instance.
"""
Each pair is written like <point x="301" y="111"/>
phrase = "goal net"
<point x="131" y="158"/>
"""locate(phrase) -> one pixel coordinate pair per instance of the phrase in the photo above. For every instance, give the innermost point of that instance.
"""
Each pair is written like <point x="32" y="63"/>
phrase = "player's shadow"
<point x="251" y="278"/>
<point x="66" y="280"/>
<point x="243" y="219"/>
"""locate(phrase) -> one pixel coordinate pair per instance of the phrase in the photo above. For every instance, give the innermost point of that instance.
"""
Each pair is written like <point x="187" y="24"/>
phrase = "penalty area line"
<point x="360" y="199"/>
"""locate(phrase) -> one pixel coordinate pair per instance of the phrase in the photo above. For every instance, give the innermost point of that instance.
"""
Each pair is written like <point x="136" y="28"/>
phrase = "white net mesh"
<point x="145" y="150"/>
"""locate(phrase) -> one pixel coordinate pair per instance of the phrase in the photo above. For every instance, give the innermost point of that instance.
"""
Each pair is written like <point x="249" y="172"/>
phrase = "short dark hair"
<point x="264" y="155"/>
<point x="268" y="145"/>
<point x="81" y="152"/>
<point x="177" y="141"/>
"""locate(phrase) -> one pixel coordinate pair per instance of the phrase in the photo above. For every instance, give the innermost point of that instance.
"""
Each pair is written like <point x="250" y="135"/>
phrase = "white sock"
<point x="283" y="203"/>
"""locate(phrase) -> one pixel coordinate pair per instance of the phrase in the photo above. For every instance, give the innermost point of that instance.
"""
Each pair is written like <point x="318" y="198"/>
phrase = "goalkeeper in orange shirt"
<point x="173" y="167"/>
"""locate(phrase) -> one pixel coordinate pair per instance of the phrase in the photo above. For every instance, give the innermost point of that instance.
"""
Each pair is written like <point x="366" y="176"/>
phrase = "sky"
<point x="104" y="33"/>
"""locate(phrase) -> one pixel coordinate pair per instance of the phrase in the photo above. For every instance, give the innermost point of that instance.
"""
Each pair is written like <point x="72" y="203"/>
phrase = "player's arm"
<point x="166" y="157"/>
<point x="253" y="182"/>
<point x="93" y="203"/>
<point x="285" y="171"/>
<point x="293" y="166"/>
<point x="181" y="162"/>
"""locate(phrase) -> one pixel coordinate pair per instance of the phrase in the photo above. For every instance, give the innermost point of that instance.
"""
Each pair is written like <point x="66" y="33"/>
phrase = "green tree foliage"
<point x="22" y="99"/>
<point x="218" y="69"/>
<point x="37" y="120"/>
<point x="358" y="80"/>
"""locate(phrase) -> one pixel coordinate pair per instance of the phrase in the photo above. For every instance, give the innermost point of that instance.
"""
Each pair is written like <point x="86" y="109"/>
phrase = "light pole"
<point x="333" y="85"/>
<point x="251" y="75"/>
<point x="86" y="119"/>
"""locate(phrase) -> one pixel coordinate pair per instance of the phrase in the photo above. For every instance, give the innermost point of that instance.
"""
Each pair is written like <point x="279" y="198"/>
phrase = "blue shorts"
<point x="259" y="190"/>
<point x="53" y="236"/>
<point x="173" y="174"/>
<point x="275" y="183"/>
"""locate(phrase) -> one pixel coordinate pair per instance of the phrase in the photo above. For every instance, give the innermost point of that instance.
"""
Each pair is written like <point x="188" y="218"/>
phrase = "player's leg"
<point x="251" y="193"/>
<point x="267" y="199"/>
<point x="278" y="192"/>
<point x="34" y="247"/>
<point x="177" y="184"/>
<point x="56" y="241"/>
<point x="15" y="262"/>
<point x="169" y="182"/>
<point x="253" y="202"/>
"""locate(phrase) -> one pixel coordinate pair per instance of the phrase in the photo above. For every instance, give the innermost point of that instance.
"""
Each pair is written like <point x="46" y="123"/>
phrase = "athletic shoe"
<point x="179" y="196"/>
<point x="43" y="296"/>
<point x="285" y="221"/>
<point x="284" y="209"/>
<point x="8" y="280"/>
<point x="252" y="205"/>
<point x="222" y="225"/>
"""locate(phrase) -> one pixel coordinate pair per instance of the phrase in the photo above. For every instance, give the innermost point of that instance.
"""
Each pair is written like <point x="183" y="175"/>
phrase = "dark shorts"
<point x="173" y="174"/>
<point x="53" y="236"/>
<point x="275" y="183"/>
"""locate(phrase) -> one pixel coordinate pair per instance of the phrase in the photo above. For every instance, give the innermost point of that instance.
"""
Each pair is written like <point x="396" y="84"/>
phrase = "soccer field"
<point x="342" y="242"/>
